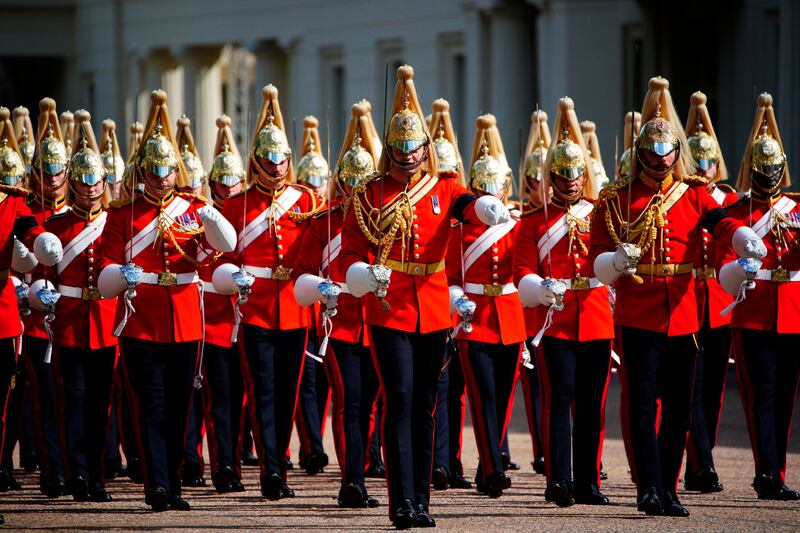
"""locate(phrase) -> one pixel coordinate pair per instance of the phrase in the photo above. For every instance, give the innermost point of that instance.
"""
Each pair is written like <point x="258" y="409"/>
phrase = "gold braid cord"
<point x="576" y="226"/>
<point x="399" y="219"/>
<point x="644" y="229"/>
<point x="317" y="205"/>
<point x="179" y="234"/>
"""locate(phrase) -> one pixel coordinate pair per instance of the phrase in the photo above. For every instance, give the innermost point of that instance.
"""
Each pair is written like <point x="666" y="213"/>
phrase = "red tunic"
<point x="665" y="304"/>
<point x="418" y="302"/>
<point x="80" y="323"/>
<point x="707" y="288"/>
<point x="587" y="312"/>
<point x="163" y="314"/>
<point x="12" y="207"/>
<point x="271" y="304"/>
<point x="34" y="322"/>
<point x="218" y="308"/>
<point x="348" y="324"/>
<point x="771" y="305"/>
<point x="497" y="319"/>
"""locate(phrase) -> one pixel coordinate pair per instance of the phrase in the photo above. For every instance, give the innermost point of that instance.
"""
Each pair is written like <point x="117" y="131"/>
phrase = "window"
<point x="335" y="111"/>
<point x="453" y="83"/>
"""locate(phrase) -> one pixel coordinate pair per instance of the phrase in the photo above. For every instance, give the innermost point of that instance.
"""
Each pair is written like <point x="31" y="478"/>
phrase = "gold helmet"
<point x="23" y="131"/>
<point x="445" y="142"/>
<point x="764" y="152"/>
<point x="85" y="165"/>
<point x="12" y="167"/>
<point x="569" y="157"/>
<point x="406" y="129"/>
<point x="487" y="173"/>
<point x="227" y="168"/>
<point x="68" y="129"/>
<point x="158" y="152"/>
<point x="702" y="138"/>
<point x="269" y="138"/>
<point x="357" y="158"/>
<point x="189" y="156"/>
<point x="535" y="154"/>
<point x="51" y="154"/>
<point x="633" y="123"/>
<point x="312" y="169"/>
<point x="111" y="155"/>
<point x="662" y="132"/>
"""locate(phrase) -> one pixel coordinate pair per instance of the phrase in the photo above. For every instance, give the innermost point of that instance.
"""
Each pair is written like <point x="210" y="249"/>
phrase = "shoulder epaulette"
<point x="725" y="187"/>
<point x="530" y="210"/>
<point x="14" y="191"/>
<point x="611" y="189"/>
<point x="792" y="194"/>
<point x="116" y="204"/>
<point x="743" y="200"/>
<point x="326" y="211"/>
<point x="695" y="180"/>
<point x="192" y="196"/>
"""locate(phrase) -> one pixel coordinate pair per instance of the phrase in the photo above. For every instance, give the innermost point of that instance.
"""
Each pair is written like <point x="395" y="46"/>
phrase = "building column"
<point x="203" y="96"/>
<point x="163" y="71"/>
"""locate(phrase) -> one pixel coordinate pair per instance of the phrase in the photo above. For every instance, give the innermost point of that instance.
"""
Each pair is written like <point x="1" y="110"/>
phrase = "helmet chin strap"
<point x="567" y="198"/>
<point x="271" y="180"/>
<point x="87" y="197"/>
<point x="411" y="165"/>
<point x="657" y="174"/>
<point x="763" y="189"/>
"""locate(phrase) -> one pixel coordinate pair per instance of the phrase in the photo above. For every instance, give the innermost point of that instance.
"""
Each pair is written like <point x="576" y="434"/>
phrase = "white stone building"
<point x="499" y="56"/>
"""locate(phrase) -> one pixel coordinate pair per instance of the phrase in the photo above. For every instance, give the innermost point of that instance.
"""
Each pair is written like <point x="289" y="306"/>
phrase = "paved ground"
<point x="522" y="508"/>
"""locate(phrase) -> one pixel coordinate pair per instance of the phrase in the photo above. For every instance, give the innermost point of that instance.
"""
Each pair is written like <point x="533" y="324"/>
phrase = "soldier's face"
<point x="54" y="181"/>
<point x="157" y="185"/>
<point x="568" y="188"/>
<point x="657" y="166"/>
<point x="88" y="196"/>
<point x="708" y="173"/>
<point x="225" y="191"/>
<point x="275" y="173"/>
<point x="767" y="183"/>
<point x="408" y="162"/>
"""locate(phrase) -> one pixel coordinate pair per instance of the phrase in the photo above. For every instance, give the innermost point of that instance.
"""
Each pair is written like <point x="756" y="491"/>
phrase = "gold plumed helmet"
<point x="568" y="157"/>
<point x="767" y="155"/>
<point x="312" y="169"/>
<point x="85" y="165"/>
<point x="111" y="155"/>
<point x="68" y="129"/>
<point x="158" y="152"/>
<point x="12" y="166"/>
<point x="488" y="174"/>
<point x="23" y="131"/>
<point x="51" y="154"/>
<point x="445" y="142"/>
<point x="227" y="168"/>
<point x="662" y="132"/>
<point x="764" y="152"/>
<point x="271" y="142"/>
<point x="702" y="139"/>
<point x="704" y="148"/>
<point x="191" y="160"/>
<point x="406" y="129"/>
<point x="536" y="147"/>
<point x="357" y="158"/>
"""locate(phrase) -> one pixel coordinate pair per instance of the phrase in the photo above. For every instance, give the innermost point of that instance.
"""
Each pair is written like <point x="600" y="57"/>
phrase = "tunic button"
<point x="576" y="256"/>
<point x="415" y="217"/>
<point x="494" y="267"/>
<point x="91" y="260"/>
<point x="494" y="276"/>
<point x="280" y="246"/>
<point x="90" y="269"/>
<point x="413" y="208"/>
<point x="415" y="226"/>
<point x="280" y="256"/>
<point x="91" y="250"/>
<point x="666" y="230"/>
<point x="494" y="250"/>
<point x="279" y="237"/>
<point x="416" y="236"/>
<point x="90" y="279"/>
<point x="666" y="249"/>
<point x="277" y="227"/>
<point x="668" y="259"/>
<point x="495" y="258"/>
<point x="705" y="257"/>
<point x="416" y="246"/>
<point x="416" y="256"/>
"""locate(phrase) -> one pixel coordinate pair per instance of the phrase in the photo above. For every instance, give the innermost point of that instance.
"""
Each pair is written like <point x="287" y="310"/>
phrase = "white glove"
<point x="731" y="277"/>
<point x="491" y="211"/>
<point x="22" y="260"/>
<point x="456" y="292"/>
<point x="219" y="232"/>
<point x="111" y="282"/>
<point x="306" y="290"/>
<point x="48" y="249"/>
<point x="532" y="293"/>
<point x="360" y="280"/>
<point x="222" y="279"/>
<point x="747" y="244"/>
<point x="33" y="298"/>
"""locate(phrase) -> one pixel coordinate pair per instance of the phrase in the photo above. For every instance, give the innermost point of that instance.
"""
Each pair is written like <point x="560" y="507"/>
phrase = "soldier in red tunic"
<point x="649" y="255"/>
<point x="573" y="317"/>
<point x="82" y="325"/>
<point x="149" y="252"/>
<point x="765" y="326"/>
<point x="713" y="338"/>
<point x="490" y="327"/>
<point x="224" y="390"/>
<point x="400" y="221"/>
<point x="19" y="233"/>
<point x="48" y="186"/>
<point x="347" y="361"/>
<point x="112" y="158"/>
<point x="271" y="218"/>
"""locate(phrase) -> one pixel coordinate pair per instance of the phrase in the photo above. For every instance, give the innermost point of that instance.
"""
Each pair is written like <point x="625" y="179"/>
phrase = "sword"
<point x="379" y="271"/>
<point x="329" y="290"/>
<point x="636" y="279"/>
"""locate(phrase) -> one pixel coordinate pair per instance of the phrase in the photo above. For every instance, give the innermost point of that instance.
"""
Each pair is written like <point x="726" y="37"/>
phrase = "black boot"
<point x="422" y="518"/>
<point x="538" y="465"/>
<point x="649" y="502"/>
<point x="315" y="463"/>
<point x="673" y="507"/>
<point x="404" y="515"/>
<point x="560" y="493"/>
<point x="704" y="480"/>
<point x="589" y="494"/>
<point x="440" y="479"/>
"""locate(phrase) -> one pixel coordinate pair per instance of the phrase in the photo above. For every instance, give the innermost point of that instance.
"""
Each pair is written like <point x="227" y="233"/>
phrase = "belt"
<point x="490" y="289"/>
<point x="168" y="279"/>
<point x="581" y="284"/>
<point x="671" y="269"/>
<point x="4" y="274"/>
<point x="82" y="293"/>
<point x="415" y="269"/>
<point x="280" y="273"/>
<point x="778" y="275"/>
<point x="704" y="273"/>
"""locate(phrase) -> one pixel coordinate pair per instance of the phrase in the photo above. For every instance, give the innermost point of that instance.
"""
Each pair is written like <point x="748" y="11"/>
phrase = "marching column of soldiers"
<point x="147" y="303"/>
